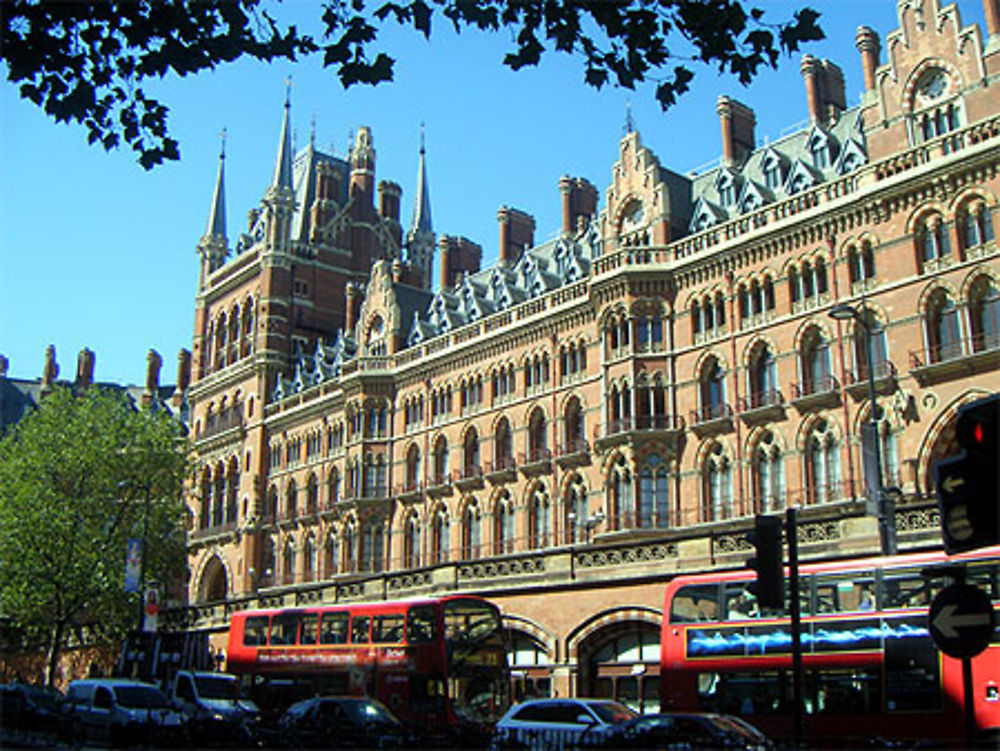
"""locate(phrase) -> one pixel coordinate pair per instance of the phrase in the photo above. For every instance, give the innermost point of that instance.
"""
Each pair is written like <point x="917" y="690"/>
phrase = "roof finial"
<point x="222" y="137"/>
<point x="288" y="91"/>
<point x="629" y="122"/>
<point x="312" y="132"/>
<point x="421" y="137"/>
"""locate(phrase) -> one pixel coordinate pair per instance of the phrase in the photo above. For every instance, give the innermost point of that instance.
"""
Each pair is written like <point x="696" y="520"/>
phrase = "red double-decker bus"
<point x="437" y="663"/>
<point x="871" y="668"/>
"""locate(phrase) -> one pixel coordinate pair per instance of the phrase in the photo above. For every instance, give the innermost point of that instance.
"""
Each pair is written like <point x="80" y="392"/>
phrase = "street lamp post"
<point x="883" y="503"/>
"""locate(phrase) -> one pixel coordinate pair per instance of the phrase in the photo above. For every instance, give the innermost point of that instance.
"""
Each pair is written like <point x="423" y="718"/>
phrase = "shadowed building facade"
<point x="565" y="430"/>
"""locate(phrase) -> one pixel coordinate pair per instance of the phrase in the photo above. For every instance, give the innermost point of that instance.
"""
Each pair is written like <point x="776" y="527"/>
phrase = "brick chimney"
<point x="737" y="121"/>
<point x="388" y="200"/>
<point x="183" y="377"/>
<point x="867" y="43"/>
<point x="517" y="233"/>
<point x="459" y="256"/>
<point x="991" y="9"/>
<point x="579" y="201"/>
<point x="824" y="89"/>
<point x="51" y="369"/>
<point x="84" y="369"/>
<point x="153" y="363"/>
<point x="353" y="299"/>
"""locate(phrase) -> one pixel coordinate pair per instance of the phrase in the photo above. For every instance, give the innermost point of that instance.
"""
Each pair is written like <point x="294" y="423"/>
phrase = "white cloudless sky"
<point x="97" y="252"/>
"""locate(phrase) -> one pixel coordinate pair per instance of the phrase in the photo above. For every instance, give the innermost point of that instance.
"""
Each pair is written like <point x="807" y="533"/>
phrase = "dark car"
<point x="123" y="712"/>
<point x="341" y="722"/>
<point x="687" y="731"/>
<point x="31" y="709"/>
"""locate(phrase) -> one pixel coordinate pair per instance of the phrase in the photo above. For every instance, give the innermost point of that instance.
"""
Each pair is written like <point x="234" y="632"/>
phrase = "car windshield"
<point x="216" y="687"/>
<point x="369" y="712"/>
<point x="612" y="712"/>
<point x="140" y="697"/>
<point x="43" y="697"/>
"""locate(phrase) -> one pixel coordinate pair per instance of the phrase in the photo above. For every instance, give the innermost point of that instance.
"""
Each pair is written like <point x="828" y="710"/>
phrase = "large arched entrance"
<point x="619" y="658"/>
<point x="213" y="586"/>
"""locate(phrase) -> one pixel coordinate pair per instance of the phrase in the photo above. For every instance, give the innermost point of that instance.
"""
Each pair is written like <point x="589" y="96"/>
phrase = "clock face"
<point x="633" y="214"/>
<point x="932" y="84"/>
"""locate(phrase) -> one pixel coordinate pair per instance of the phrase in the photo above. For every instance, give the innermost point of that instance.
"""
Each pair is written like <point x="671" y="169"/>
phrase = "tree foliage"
<point x="86" y="62"/>
<point x="79" y="476"/>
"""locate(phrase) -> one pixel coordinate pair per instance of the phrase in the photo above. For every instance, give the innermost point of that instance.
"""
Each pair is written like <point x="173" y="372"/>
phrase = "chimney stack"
<point x="51" y="369"/>
<point x="459" y="256"/>
<point x="388" y="200"/>
<point x="153" y="363"/>
<point x="737" y="121"/>
<point x="867" y="43"/>
<point x="517" y="234"/>
<point x="84" y="369"/>
<point x="579" y="201"/>
<point x="353" y="306"/>
<point x="824" y="89"/>
<point x="183" y="377"/>
<point x="991" y="9"/>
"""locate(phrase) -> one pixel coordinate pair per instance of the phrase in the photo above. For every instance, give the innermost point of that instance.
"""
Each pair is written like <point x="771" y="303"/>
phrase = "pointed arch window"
<point x="861" y="263"/>
<point x="574" y="431"/>
<point x="309" y="559"/>
<point x="411" y="541"/>
<point x="288" y="562"/>
<point x="822" y="464"/>
<point x="331" y="555"/>
<point x="471" y="531"/>
<point x="537" y="449"/>
<point x="350" y="547"/>
<point x="816" y="364"/>
<point x="932" y="241"/>
<point x="977" y="225"/>
<point x="717" y="477"/>
<point x="879" y="348"/>
<point x="470" y="454"/>
<point x="654" y="494"/>
<point x="984" y="314"/>
<point x="888" y="452"/>
<point x="312" y="495"/>
<point x="943" y="329"/>
<point x="441" y="461"/>
<point x="620" y="501"/>
<point x="503" y="447"/>
<point x="412" y="469"/>
<point x="291" y="499"/>
<point x="540" y="518"/>
<point x="712" y="391"/>
<point x="763" y="378"/>
<point x="218" y="497"/>
<point x="575" y="511"/>
<point x="768" y="475"/>
<point x="440" y="533"/>
<point x="504" y="524"/>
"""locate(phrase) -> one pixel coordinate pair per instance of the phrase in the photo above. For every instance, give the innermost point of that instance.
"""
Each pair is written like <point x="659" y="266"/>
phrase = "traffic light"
<point x="769" y="589"/>
<point x="967" y="484"/>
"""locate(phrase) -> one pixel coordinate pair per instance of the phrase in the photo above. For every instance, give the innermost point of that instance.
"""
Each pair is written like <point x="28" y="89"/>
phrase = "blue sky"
<point x="96" y="252"/>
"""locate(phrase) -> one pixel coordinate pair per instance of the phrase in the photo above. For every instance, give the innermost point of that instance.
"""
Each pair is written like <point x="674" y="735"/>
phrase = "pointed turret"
<point x="214" y="246"/>
<point x="420" y="237"/>
<point x="280" y="197"/>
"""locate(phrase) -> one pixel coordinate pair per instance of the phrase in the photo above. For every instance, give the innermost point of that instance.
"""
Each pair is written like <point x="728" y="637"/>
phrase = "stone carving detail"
<point x="490" y="569"/>
<point x="348" y="591"/>
<point x="918" y="520"/>
<point x="819" y="531"/>
<point x="304" y="598"/>
<point x="732" y="543"/>
<point x="408" y="581"/>
<point x="625" y="556"/>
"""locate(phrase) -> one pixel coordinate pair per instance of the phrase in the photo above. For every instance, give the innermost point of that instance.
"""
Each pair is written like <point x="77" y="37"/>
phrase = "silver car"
<point x="122" y="712"/>
<point x="558" y="724"/>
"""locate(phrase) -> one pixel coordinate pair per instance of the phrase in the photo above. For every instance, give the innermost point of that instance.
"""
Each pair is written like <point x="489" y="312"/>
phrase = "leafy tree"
<point x="86" y="62"/>
<point x="79" y="476"/>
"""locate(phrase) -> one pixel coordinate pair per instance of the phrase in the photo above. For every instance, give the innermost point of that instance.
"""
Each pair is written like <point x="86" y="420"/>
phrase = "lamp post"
<point x="883" y="503"/>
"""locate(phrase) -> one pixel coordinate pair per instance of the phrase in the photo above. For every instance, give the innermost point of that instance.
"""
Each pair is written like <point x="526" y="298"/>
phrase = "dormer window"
<point x="773" y="178"/>
<point x="726" y="187"/>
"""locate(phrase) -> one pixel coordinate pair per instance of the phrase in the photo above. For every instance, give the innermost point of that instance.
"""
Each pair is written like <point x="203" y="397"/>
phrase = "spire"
<point x="216" y="227"/>
<point x="282" y="179"/>
<point x="629" y="121"/>
<point x="422" y="198"/>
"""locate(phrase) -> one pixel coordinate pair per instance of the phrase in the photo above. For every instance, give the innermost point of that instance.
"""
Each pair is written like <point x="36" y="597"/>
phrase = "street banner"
<point x="133" y="562"/>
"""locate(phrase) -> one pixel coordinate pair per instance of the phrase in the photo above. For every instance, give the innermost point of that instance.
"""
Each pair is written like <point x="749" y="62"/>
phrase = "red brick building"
<point x="567" y="429"/>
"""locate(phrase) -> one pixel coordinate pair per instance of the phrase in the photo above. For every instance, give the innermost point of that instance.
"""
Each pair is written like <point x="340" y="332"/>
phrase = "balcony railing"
<point x="956" y="358"/>
<point x="763" y="405"/>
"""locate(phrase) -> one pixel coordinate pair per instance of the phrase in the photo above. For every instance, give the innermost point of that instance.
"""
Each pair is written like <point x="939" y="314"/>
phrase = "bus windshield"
<point x="468" y="621"/>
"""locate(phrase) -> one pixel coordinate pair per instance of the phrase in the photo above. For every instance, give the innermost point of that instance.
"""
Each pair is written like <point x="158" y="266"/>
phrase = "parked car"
<point x="687" y="731"/>
<point x="123" y="712"/>
<point x="213" y="709"/>
<point x="341" y="722"/>
<point x="558" y="723"/>
<point x="31" y="709"/>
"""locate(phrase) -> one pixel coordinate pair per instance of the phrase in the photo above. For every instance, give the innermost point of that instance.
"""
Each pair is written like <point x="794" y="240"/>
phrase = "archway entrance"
<point x="622" y="661"/>
<point x="214" y="585"/>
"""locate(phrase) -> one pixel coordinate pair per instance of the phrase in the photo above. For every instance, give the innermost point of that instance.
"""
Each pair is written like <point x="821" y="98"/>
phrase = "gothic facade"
<point x="567" y="429"/>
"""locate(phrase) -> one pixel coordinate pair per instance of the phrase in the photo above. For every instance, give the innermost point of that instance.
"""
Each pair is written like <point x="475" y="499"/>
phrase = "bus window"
<point x="840" y="594"/>
<point x="907" y="588"/>
<point x="740" y="604"/>
<point x="851" y="691"/>
<point x="255" y="631"/>
<point x="310" y="628"/>
<point x="388" y="629"/>
<point x="284" y="628"/>
<point x="696" y="602"/>
<point x="420" y="624"/>
<point x="360" y="629"/>
<point x="334" y="629"/>
<point x="745" y="693"/>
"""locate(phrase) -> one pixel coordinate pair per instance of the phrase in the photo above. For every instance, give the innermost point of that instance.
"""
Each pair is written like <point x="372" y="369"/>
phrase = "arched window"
<point x="536" y="435"/>
<point x="350" y="547"/>
<point x="539" y="518"/>
<point x="232" y="489"/>
<point x="333" y="487"/>
<point x="763" y="377"/>
<point x="312" y="495"/>
<point x="471" y="531"/>
<point x="573" y="427"/>
<point x="932" y="240"/>
<point x="575" y="511"/>
<point x="654" y="494"/>
<point x="441" y="461"/>
<point x="712" y="388"/>
<point x="943" y="329"/>
<point x="288" y="562"/>
<point x="621" y="507"/>
<point x="291" y="499"/>
<point x="503" y="447"/>
<point x="976" y="224"/>
<point x="768" y="475"/>
<point x="504" y="524"/>
<point x="439" y="536"/>
<point x="373" y="547"/>
<point x="871" y="326"/>
<point x="717" y="477"/>
<point x="411" y="541"/>
<point x="205" y="515"/>
<point x="272" y="503"/>
<point x="984" y="314"/>
<point x="218" y="496"/>
<point x="861" y="263"/>
<point x="331" y="555"/>
<point x="309" y="559"/>
<point x="815" y="363"/>
<point x="888" y="452"/>
<point x="470" y="454"/>
<point x="822" y="464"/>
<point x="412" y="469"/>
